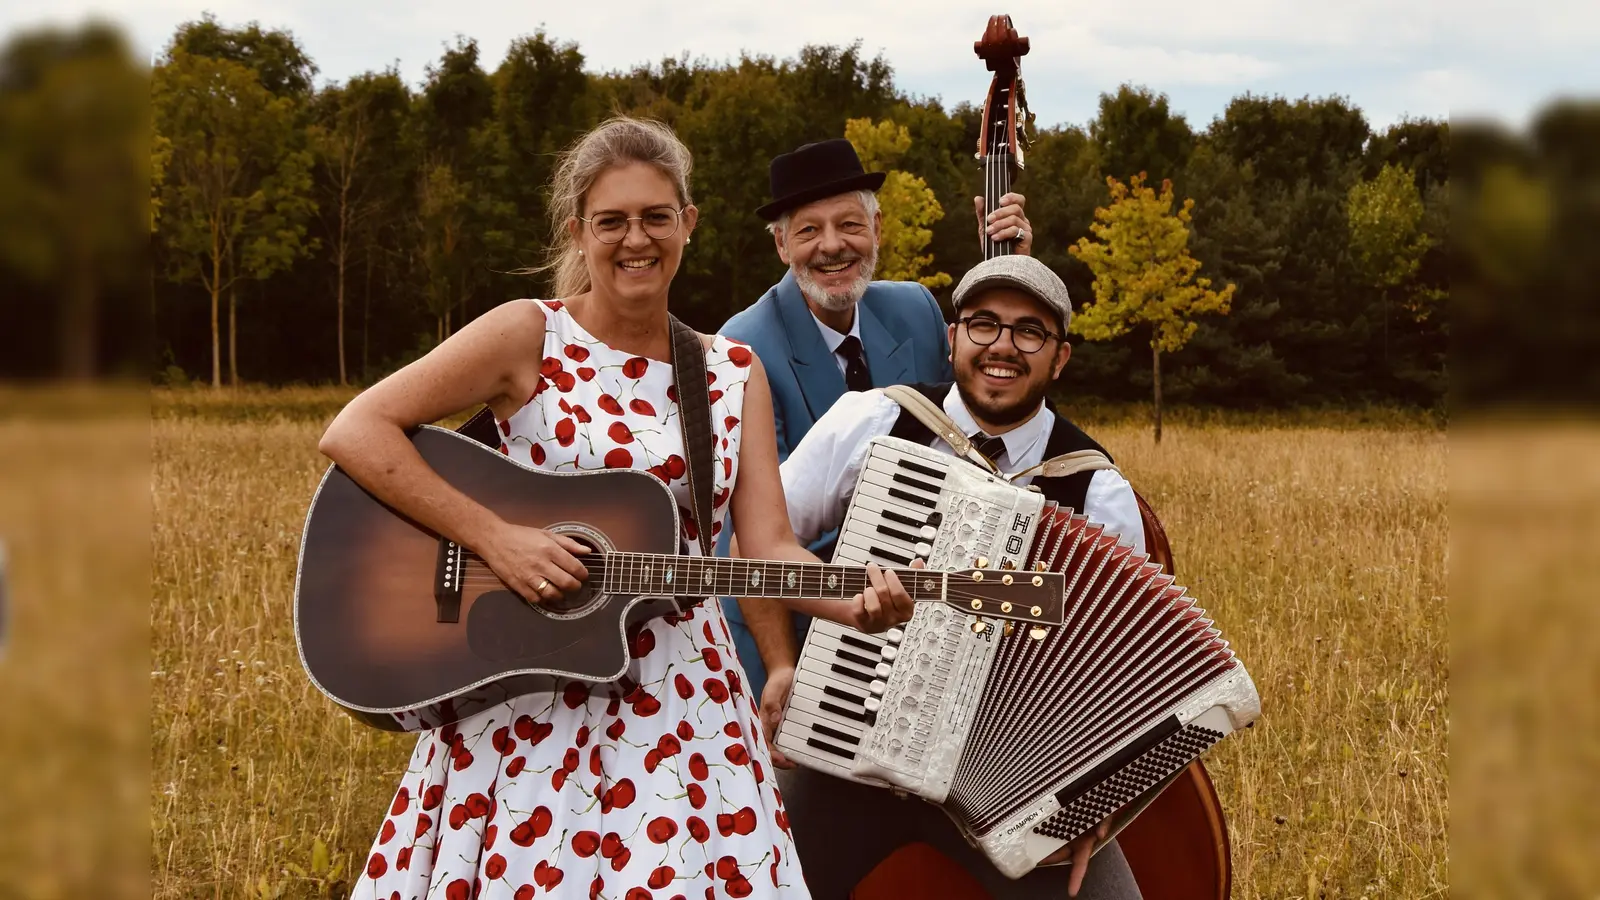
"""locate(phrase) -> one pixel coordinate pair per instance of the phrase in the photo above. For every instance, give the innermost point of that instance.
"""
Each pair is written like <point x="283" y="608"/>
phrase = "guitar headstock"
<point x="1036" y="598"/>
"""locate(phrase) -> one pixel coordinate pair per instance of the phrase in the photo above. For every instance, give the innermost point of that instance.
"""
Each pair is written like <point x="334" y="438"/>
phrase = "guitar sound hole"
<point x="587" y="596"/>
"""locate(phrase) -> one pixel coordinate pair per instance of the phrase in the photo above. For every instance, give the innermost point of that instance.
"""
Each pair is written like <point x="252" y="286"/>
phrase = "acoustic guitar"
<point x="406" y="630"/>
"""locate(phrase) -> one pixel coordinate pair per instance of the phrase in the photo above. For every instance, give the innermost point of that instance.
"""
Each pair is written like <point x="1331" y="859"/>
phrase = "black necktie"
<point x="992" y="447"/>
<point x="856" y="376"/>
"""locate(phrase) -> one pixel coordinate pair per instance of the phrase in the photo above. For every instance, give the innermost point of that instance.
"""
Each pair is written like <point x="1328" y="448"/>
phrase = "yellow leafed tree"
<point x="908" y="204"/>
<point x="1144" y="276"/>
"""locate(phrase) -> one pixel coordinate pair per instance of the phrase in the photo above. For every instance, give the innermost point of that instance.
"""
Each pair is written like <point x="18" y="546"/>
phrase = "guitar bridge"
<point x="447" y="581"/>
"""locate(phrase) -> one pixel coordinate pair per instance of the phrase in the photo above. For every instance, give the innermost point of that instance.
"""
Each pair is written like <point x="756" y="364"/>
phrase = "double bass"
<point x="1178" y="846"/>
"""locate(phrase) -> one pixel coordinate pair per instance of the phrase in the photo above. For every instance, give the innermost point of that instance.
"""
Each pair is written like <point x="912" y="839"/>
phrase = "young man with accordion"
<point x="1008" y="345"/>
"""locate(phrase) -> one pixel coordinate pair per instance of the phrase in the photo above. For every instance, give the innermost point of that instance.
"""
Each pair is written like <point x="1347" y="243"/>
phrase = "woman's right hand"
<point x="535" y="563"/>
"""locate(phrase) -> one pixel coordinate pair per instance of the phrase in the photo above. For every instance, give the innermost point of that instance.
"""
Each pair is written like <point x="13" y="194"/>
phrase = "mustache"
<point x="844" y="256"/>
<point x="994" y="359"/>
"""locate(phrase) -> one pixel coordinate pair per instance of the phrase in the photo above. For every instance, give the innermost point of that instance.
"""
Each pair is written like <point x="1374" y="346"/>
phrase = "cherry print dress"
<point x="654" y="788"/>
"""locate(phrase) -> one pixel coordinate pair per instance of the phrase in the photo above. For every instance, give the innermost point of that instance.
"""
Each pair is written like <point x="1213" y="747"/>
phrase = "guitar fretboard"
<point x="698" y="576"/>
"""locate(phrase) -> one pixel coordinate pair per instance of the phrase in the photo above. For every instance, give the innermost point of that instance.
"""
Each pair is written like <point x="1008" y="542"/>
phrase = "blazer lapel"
<point x="888" y="357"/>
<point x="821" y="383"/>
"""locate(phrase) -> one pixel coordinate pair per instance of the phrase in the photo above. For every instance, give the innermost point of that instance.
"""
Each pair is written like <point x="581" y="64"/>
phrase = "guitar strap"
<point x="694" y="416"/>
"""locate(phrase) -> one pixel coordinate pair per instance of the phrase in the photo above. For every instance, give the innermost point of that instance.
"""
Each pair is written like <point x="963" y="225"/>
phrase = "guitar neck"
<point x="691" y="577"/>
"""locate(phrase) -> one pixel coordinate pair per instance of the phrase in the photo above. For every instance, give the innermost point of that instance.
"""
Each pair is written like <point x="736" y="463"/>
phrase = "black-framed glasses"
<point x="658" y="222"/>
<point x="1025" y="337"/>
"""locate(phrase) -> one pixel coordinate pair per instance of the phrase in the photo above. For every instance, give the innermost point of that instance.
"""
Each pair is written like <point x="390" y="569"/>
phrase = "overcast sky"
<point x="1498" y="58"/>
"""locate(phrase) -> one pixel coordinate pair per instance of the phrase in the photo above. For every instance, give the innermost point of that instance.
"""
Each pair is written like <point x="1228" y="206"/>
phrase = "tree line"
<point x="316" y="232"/>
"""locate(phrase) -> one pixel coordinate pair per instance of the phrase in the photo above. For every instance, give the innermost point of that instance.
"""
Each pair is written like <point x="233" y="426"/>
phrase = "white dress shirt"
<point x="820" y="474"/>
<point x="834" y="338"/>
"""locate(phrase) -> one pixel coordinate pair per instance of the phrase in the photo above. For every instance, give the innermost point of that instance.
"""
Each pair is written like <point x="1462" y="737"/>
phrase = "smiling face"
<point x="638" y="268"/>
<point x="831" y="246"/>
<point x="1001" y="385"/>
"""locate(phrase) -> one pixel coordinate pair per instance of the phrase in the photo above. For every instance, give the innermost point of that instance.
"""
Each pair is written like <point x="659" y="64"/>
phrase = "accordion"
<point x="1027" y="737"/>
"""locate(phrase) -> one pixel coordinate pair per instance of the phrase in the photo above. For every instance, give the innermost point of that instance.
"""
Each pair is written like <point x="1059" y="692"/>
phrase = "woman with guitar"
<point x="657" y="784"/>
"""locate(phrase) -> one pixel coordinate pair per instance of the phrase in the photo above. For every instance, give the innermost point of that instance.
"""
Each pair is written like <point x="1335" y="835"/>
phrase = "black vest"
<point x="1065" y="437"/>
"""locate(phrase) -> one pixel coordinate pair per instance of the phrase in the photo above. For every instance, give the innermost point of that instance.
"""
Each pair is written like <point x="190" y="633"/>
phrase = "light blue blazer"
<point x="903" y="334"/>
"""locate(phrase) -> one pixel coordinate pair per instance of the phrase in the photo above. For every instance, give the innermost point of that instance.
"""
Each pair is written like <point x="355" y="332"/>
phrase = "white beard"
<point x="844" y="300"/>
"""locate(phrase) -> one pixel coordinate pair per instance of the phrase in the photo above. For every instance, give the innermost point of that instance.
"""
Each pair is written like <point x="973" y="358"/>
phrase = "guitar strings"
<point x="596" y="564"/>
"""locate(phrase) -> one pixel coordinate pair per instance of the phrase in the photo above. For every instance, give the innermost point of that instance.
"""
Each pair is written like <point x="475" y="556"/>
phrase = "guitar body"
<point x="406" y="630"/>
<point x="367" y="618"/>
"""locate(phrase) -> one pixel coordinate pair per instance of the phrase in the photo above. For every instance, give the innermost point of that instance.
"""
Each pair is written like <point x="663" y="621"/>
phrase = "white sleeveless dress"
<point x="662" y="792"/>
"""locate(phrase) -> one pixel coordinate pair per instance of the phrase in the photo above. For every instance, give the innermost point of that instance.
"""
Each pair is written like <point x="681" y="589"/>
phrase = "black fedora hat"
<point x="813" y="172"/>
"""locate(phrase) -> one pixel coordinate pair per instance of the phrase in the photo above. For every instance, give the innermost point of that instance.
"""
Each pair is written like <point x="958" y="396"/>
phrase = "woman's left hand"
<point x="884" y="604"/>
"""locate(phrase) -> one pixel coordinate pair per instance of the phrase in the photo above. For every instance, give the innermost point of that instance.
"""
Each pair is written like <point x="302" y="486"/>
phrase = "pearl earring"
<point x="580" y="252"/>
<point x="688" y="240"/>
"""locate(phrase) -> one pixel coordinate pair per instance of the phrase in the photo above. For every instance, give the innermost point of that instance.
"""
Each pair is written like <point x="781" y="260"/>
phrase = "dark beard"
<point x="1001" y="415"/>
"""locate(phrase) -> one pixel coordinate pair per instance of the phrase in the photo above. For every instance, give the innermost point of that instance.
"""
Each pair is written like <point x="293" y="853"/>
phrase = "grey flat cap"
<point x="1024" y="273"/>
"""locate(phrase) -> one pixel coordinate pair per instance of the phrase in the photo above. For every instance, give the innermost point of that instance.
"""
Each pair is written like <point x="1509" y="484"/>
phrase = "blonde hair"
<point x="617" y="141"/>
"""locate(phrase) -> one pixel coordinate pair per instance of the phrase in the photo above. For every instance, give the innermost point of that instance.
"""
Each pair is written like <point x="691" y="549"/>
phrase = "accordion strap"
<point x="1069" y="464"/>
<point x="935" y="419"/>
<point x="939" y="423"/>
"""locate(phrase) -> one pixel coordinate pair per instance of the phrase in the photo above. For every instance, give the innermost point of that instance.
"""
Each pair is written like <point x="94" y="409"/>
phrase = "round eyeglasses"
<point x="1027" y="338"/>
<point x="658" y="222"/>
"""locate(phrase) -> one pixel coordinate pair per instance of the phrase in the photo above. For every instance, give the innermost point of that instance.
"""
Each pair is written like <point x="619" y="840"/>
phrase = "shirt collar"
<point x="834" y="338"/>
<point x="1019" y="440"/>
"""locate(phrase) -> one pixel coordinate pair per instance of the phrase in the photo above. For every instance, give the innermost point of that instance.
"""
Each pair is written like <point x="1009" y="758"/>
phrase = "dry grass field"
<point x="74" y="701"/>
<point x="1319" y="548"/>
<point x="1525" y="652"/>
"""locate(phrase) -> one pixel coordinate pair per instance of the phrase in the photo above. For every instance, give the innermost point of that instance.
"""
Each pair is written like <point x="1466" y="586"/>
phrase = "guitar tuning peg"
<point x="1008" y="628"/>
<point x="979" y="626"/>
<point x="981" y="562"/>
<point x="1037" y="632"/>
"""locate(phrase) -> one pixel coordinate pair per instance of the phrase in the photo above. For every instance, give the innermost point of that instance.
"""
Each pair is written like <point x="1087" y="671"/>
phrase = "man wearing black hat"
<point x="827" y="327"/>
<point x="1009" y="342"/>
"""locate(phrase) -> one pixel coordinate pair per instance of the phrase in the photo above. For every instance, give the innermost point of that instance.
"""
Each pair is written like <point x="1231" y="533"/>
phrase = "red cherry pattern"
<point x="605" y="787"/>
